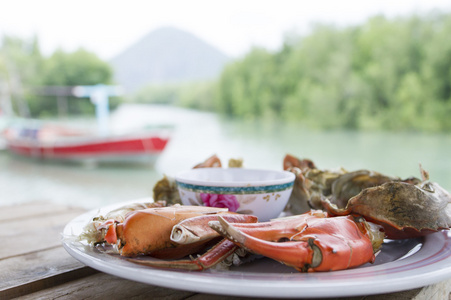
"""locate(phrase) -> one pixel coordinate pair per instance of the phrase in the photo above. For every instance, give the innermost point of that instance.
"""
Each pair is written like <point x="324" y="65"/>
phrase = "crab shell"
<point x="348" y="185"/>
<point x="196" y="231"/>
<point x="309" y="186"/>
<point x="404" y="210"/>
<point x="148" y="231"/>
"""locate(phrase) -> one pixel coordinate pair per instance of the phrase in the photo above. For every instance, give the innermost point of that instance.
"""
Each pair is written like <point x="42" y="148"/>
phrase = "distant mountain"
<point x="167" y="55"/>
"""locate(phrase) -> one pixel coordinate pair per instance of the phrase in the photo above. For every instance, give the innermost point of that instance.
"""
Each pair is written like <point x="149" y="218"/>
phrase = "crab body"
<point x="406" y="208"/>
<point x="403" y="209"/>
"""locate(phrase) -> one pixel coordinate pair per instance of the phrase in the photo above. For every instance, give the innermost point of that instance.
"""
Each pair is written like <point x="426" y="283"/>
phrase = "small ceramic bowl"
<point x="263" y="193"/>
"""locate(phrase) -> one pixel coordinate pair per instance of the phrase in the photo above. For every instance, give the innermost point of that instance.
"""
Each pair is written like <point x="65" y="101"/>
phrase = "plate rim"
<point x="282" y="285"/>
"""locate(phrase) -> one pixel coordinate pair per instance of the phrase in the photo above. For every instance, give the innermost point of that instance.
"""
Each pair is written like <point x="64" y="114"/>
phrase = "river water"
<point x="198" y="135"/>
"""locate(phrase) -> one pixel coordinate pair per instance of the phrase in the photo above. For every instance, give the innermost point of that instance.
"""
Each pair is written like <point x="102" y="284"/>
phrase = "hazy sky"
<point x="108" y="27"/>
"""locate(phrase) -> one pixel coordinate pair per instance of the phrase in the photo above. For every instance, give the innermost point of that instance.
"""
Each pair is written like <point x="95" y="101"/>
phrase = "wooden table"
<point x="34" y="265"/>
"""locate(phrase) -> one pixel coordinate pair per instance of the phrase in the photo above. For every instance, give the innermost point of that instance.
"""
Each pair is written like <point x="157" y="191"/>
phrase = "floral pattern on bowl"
<point x="245" y="204"/>
<point x="263" y="193"/>
<point x="218" y="200"/>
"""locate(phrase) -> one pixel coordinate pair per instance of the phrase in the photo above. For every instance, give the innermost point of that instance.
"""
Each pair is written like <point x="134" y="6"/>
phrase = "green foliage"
<point x="391" y="74"/>
<point x="23" y="69"/>
<point x="196" y="95"/>
<point x="78" y="68"/>
<point x="385" y="74"/>
<point x="70" y="69"/>
<point x="20" y="62"/>
<point x="158" y="94"/>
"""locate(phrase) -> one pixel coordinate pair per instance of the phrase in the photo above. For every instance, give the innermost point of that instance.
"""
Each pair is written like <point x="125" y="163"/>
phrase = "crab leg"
<point x="212" y="257"/>
<point x="196" y="229"/>
<point x="321" y="244"/>
<point x="281" y="229"/>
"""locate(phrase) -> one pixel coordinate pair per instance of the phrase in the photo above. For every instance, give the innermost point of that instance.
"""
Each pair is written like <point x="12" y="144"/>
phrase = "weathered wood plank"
<point x="34" y="233"/>
<point x="104" y="286"/>
<point x="42" y="266"/>
<point x="32" y="257"/>
<point x="406" y="295"/>
<point x="44" y="283"/>
<point x="438" y="291"/>
<point x="31" y="209"/>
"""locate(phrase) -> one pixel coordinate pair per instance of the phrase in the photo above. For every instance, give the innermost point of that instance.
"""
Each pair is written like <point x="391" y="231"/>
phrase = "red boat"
<point x="56" y="143"/>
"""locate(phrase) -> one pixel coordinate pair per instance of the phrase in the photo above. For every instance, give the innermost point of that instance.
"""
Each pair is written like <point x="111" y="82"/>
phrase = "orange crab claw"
<point x="170" y="233"/>
<point x="110" y="231"/>
<point x="318" y="244"/>
<point x="111" y="234"/>
<point x="147" y="231"/>
<point x="192" y="235"/>
<point x="216" y="254"/>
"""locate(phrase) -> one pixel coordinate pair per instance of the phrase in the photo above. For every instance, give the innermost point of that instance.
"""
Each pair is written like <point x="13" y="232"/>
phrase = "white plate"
<point x="401" y="265"/>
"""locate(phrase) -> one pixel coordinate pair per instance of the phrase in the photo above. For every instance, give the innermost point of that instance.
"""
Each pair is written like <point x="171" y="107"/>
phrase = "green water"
<point x="198" y="135"/>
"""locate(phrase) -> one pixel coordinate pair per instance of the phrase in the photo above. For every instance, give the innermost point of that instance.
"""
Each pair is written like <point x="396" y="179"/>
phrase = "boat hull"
<point x="117" y="149"/>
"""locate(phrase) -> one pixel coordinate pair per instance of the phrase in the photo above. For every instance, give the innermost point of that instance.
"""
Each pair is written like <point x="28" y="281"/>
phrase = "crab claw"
<point x="286" y="253"/>
<point x="320" y="244"/>
<point x="216" y="254"/>
<point x="192" y="233"/>
<point x="110" y="235"/>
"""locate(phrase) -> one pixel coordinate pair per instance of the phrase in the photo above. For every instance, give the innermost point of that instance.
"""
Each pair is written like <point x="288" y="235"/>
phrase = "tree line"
<point x="387" y="73"/>
<point x="24" y="70"/>
<point x="390" y="74"/>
